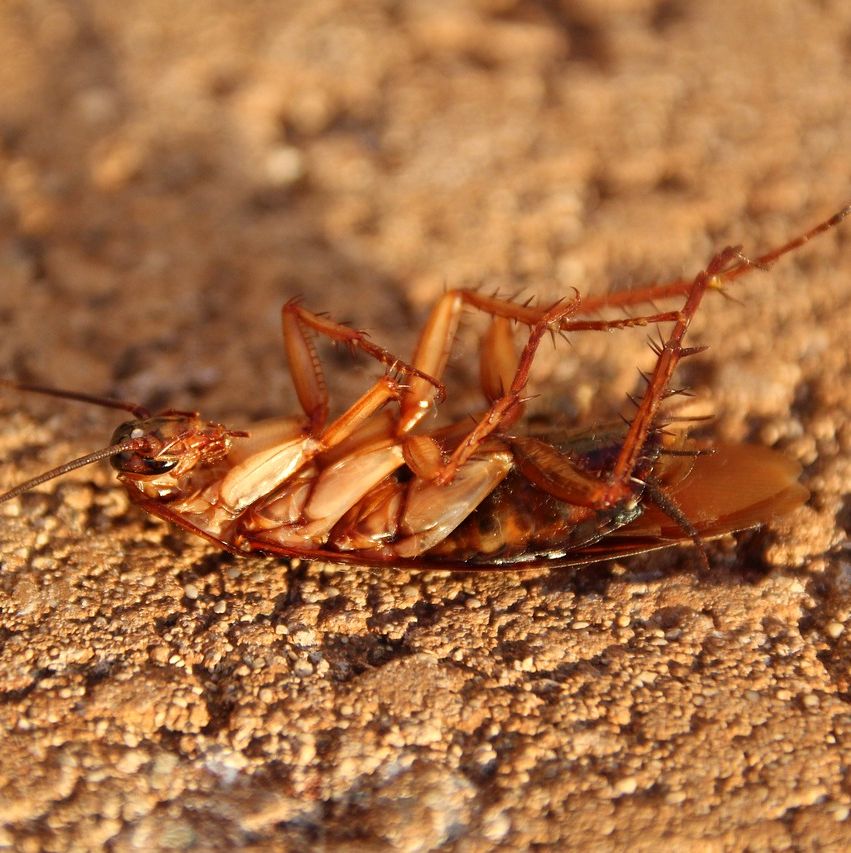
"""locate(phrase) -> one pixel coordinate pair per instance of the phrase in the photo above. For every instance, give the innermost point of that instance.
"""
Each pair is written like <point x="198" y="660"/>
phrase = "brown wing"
<point x="736" y="487"/>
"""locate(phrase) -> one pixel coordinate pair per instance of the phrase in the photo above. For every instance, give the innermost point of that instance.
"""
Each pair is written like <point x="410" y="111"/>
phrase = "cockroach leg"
<point x="649" y="293"/>
<point x="384" y="390"/>
<point x="726" y="266"/>
<point x="435" y="342"/>
<point x="656" y="492"/>
<point x="499" y="367"/>
<point x="497" y="359"/>
<point x="619" y="487"/>
<point x="506" y="409"/>
<point x="260" y="473"/>
<point x="643" y="295"/>
<point x="306" y="369"/>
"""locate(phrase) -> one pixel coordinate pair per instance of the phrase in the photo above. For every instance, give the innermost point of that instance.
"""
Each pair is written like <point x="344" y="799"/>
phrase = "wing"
<point x="736" y="487"/>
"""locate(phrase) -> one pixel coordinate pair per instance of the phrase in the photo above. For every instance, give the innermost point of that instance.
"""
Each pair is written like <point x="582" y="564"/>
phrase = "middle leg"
<point x="436" y="339"/>
<point x="299" y="325"/>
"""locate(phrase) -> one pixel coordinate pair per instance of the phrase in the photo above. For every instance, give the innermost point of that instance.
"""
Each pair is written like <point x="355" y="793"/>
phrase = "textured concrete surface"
<point x="171" y="172"/>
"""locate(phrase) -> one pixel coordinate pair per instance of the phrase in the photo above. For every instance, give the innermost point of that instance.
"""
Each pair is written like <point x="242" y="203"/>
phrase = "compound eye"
<point x="132" y="463"/>
<point x="157" y="466"/>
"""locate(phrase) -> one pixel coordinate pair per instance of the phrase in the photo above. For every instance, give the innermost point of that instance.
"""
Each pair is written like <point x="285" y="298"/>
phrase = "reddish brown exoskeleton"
<point x="377" y="487"/>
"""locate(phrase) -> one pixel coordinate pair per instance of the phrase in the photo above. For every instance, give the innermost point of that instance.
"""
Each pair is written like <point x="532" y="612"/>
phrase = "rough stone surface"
<point x="171" y="172"/>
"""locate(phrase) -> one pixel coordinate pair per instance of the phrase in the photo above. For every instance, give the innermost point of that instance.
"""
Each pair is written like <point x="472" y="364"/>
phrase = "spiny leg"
<point x="501" y="370"/>
<point x="298" y="325"/>
<point x="641" y="295"/>
<point x="506" y="408"/>
<point x="726" y="266"/>
<point x="649" y="293"/>
<point x="435" y="342"/>
<point x="382" y="391"/>
<point x="669" y="354"/>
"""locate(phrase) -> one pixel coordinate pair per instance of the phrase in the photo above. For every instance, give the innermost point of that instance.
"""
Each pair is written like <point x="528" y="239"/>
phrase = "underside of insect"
<point x="377" y="487"/>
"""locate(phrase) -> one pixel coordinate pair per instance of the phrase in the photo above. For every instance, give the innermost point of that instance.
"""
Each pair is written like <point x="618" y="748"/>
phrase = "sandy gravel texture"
<point x="171" y="173"/>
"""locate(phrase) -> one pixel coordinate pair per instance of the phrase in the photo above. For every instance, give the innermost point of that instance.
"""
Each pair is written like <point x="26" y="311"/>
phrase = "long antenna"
<point x="130" y="444"/>
<point x="135" y="409"/>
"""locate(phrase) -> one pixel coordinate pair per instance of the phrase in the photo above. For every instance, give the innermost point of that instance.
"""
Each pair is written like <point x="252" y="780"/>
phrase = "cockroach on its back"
<point x="377" y="487"/>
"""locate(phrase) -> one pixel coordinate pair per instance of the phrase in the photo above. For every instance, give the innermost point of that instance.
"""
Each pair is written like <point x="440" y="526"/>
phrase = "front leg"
<point x="299" y="325"/>
<point x="263" y="472"/>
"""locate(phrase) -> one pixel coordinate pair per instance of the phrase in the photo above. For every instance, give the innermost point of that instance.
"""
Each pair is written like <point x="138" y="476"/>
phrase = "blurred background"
<point x="171" y="172"/>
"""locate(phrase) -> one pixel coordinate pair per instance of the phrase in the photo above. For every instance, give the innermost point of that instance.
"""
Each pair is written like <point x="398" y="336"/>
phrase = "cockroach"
<point x="378" y="486"/>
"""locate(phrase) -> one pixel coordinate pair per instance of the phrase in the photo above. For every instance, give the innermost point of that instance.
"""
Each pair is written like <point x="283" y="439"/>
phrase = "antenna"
<point x="135" y="409"/>
<point x="113" y="450"/>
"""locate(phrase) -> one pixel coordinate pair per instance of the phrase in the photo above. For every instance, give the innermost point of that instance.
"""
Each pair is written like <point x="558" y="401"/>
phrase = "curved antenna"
<point x="130" y="444"/>
<point x="135" y="409"/>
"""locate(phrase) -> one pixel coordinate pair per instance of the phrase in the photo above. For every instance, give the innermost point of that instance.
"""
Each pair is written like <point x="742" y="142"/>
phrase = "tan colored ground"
<point x="171" y="172"/>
